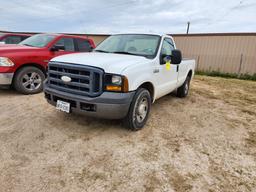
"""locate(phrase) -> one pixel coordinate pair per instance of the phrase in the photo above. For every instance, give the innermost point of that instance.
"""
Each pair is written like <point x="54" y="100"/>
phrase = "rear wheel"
<point x="29" y="80"/>
<point x="184" y="89"/>
<point x="139" y="110"/>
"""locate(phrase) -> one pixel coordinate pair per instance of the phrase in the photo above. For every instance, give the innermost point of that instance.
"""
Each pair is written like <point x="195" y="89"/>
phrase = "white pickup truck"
<point x="120" y="79"/>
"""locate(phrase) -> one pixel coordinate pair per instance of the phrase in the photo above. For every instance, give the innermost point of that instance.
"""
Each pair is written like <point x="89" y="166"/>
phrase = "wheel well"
<point x="34" y="65"/>
<point x="190" y="73"/>
<point x="149" y="86"/>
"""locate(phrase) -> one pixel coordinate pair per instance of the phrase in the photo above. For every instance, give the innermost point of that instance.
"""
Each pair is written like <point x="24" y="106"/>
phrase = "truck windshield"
<point x="40" y="40"/>
<point x="141" y="45"/>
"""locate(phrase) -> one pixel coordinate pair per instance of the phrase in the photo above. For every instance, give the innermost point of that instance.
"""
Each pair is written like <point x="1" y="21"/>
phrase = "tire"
<point x="29" y="80"/>
<point x="139" y="110"/>
<point x="184" y="89"/>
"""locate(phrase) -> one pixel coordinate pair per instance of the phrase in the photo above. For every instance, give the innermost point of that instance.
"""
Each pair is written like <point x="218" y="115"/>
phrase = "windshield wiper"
<point x="120" y="52"/>
<point x="127" y="53"/>
<point x="102" y="51"/>
<point x="28" y="45"/>
<point x="123" y="52"/>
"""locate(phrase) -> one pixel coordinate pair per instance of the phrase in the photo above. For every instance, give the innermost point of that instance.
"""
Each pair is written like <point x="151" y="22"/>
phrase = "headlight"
<point x="116" y="83"/>
<point x="6" y="62"/>
<point x="117" y="80"/>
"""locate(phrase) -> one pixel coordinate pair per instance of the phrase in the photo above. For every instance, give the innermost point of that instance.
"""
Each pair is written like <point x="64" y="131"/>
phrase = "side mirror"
<point x="91" y="49"/>
<point x="57" y="48"/>
<point x="176" y="56"/>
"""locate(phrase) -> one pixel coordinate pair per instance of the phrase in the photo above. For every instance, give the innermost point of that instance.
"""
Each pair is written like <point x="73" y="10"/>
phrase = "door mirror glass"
<point x="176" y="57"/>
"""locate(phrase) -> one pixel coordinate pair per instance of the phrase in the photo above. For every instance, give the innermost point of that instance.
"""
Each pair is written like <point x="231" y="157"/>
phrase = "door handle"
<point x="156" y="71"/>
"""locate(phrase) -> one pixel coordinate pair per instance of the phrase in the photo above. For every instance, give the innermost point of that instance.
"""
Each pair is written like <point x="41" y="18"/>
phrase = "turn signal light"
<point x="125" y="85"/>
<point x="113" y="88"/>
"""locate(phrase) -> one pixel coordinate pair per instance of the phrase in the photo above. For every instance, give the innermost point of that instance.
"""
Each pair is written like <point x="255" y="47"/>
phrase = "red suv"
<point x="24" y="65"/>
<point x="12" y="38"/>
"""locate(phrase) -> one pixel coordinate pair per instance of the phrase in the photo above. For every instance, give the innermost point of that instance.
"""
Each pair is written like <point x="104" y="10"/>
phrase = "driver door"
<point x="168" y="73"/>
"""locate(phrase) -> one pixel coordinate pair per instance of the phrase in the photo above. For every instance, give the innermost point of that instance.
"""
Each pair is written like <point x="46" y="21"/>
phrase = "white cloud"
<point x="99" y="16"/>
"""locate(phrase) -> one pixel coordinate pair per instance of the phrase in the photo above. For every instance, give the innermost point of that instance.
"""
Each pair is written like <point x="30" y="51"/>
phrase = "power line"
<point x="227" y="13"/>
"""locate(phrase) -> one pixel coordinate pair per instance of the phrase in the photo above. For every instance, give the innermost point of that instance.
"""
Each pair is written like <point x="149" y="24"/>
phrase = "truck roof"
<point x="146" y="33"/>
<point x="64" y="35"/>
<point x="18" y="34"/>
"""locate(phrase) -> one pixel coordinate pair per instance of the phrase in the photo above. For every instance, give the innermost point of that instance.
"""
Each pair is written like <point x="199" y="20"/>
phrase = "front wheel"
<point x="139" y="110"/>
<point x="29" y="80"/>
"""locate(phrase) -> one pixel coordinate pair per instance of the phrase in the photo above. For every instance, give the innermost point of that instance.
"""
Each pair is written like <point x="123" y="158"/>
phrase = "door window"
<point x="167" y="47"/>
<point x="83" y="45"/>
<point x="24" y="37"/>
<point x="12" y="40"/>
<point x="68" y="43"/>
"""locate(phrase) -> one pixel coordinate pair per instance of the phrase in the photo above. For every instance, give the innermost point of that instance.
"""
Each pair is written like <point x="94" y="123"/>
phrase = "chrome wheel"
<point x="142" y="110"/>
<point x="139" y="110"/>
<point x="186" y="88"/>
<point x="31" y="81"/>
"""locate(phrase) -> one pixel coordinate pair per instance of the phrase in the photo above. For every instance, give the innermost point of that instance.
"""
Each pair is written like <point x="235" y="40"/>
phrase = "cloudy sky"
<point x="109" y="16"/>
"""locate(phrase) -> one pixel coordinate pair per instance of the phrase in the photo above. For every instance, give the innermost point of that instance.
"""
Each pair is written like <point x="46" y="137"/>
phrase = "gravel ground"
<point x="205" y="142"/>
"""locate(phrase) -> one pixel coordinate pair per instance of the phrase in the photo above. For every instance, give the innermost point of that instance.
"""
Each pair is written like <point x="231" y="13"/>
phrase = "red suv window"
<point x="68" y="43"/>
<point x="12" y="39"/>
<point x="83" y="45"/>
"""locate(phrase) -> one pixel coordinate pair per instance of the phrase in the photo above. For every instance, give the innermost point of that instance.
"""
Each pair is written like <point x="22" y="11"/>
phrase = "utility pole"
<point x="188" y="27"/>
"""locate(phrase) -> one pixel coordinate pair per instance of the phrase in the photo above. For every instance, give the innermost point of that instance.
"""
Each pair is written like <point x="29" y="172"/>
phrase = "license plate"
<point x="63" y="106"/>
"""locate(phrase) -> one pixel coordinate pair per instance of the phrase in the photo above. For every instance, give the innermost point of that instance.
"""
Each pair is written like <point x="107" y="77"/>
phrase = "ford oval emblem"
<point x="66" y="79"/>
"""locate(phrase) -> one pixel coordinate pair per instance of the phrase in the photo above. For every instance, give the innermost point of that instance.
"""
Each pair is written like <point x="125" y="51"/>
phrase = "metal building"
<point x="229" y="53"/>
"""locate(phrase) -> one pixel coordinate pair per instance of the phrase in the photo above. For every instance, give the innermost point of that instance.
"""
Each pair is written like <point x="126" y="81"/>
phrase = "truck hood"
<point x="109" y="62"/>
<point x="5" y="48"/>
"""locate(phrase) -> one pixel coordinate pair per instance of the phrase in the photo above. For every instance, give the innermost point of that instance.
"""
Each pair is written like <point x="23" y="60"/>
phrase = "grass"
<point x="239" y="93"/>
<point x="228" y="75"/>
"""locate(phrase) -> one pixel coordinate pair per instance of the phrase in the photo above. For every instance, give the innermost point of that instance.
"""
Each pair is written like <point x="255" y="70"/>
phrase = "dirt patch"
<point x="205" y="142"/>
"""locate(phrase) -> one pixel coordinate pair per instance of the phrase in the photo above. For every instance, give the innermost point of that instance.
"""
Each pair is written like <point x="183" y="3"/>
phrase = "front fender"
<point x="139" y="74"/>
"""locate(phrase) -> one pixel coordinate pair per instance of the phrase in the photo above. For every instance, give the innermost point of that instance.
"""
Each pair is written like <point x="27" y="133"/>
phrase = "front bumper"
<point x="6" y="78"/>
<point x="108" y="105"/>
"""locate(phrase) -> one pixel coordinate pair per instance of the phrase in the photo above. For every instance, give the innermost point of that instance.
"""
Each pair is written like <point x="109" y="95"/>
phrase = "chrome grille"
<point x="85" y="80"/>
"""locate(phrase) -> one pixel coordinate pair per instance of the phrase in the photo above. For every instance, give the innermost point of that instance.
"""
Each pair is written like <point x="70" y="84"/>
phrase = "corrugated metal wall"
<point x="227" y="53"/>
<point x="230" y="54"/>
<point x="98" y="38"/>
